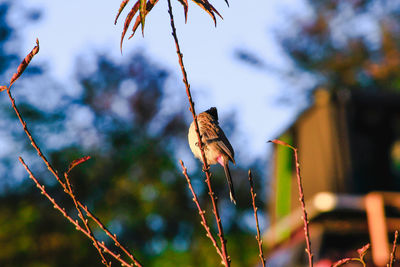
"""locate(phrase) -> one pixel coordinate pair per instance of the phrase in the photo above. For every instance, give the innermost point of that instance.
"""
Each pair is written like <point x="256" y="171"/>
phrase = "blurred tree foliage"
<point x="348" y="44"/>
<point x="355" y="45"/>
<point x="132" y="126"/>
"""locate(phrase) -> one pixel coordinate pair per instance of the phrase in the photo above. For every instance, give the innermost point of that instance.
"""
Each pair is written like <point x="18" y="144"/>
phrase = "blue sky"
<point x="74" y="28"/>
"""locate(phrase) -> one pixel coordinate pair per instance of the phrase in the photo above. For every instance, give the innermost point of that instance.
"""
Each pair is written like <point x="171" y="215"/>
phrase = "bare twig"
<point x="85" y="221"/>
<point x="301" y="199"/>
<point x="96" y="220"/>
<point x="201" y="212"/>
<point x="393" y="253"/>
<point x="112" y="236"/>
<point x="74" y="222"/>
<point x="361" y="253"/>
<point x="347" y="260"/>
<point x="66" y="189"/>
<point x="14" y="78"/>
<point x="33" y="143"/>
<point x="258" y="237"/>
<point x="226" y="258"/>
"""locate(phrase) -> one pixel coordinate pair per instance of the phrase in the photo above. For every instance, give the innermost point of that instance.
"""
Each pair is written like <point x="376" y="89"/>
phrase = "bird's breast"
<point x="210" y="152"/>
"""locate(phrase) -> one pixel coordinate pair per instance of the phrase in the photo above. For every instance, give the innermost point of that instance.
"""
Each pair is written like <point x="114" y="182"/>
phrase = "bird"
<point x="217" y="148"/>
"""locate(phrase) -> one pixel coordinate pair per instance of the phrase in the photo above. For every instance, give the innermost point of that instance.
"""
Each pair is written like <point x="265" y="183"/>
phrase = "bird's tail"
<point x="230" y="184"/>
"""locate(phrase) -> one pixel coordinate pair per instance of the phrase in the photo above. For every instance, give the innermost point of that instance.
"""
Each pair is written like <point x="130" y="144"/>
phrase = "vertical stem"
<point x="303" y="207"/>
<point x="226" y="259"/>
<point x="258" y="237"/>
<point x="301" y="199"/>
<point x="392" y="254"/>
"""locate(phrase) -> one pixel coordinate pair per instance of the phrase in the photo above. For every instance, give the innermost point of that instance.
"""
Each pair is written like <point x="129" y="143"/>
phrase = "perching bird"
<point x="217" y="148"/>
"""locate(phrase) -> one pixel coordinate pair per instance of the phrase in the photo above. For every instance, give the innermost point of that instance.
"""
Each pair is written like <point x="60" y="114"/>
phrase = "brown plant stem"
<point x="301" y="199"/>
<point x="33" y="143"/>
<point x="347" y="260"/>
<point x="393" y="253"/>
<point x="258" y="237"/>
<point x="74" y="222"/>
<point x="64" y="186"/>
<point x="96" y="243"/>
<point x="15" y="77"/>
<point x="361" y="253"/>
<point x="85" y="221"/>
<point x="201" y="212"/>
<point x="226" y="258"/>
<point x="112" y="236"/>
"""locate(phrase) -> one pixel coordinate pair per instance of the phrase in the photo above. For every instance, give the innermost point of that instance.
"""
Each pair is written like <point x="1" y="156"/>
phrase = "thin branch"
<point x="20" y="70"/>
<point x="258" y="237"/>
<point x="361" y="253"/>
<point x="301" y="199"/>
<point x="24" y="64"/>
<point x="74" y="222"/>
<point x="85" y="221"/>
<point x="201" y="212"/>
<point x="393" y="253"/>
<point x="96" y="220"/>
<point x="226" y="258"/>
<point x="347" y="260"/>
<point x="33" y="142"/>
<point x="112" y="236"/>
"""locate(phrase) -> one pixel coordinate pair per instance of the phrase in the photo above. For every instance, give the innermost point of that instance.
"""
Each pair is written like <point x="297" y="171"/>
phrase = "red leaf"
<point x="25" y="63"/>
<point x="128" y="20"/>
<point x="185" y="7"/>
<point x="2" y="88"/>
<point x="149" y="7"/>
<point x="123" y="4"/>
<point x="204" y="4"/>
<point x="77" y="162"/>
<point x="212" y="8"/>
<point x="142" y="14"/>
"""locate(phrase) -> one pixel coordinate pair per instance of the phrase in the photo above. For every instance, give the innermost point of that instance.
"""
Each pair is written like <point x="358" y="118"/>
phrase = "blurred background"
<point x="322" y="75"/>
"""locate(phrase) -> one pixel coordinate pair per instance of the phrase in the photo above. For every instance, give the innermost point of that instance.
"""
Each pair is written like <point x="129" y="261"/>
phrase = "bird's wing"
<point x="226" y="146"/>
<point x="213" y="134"/>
